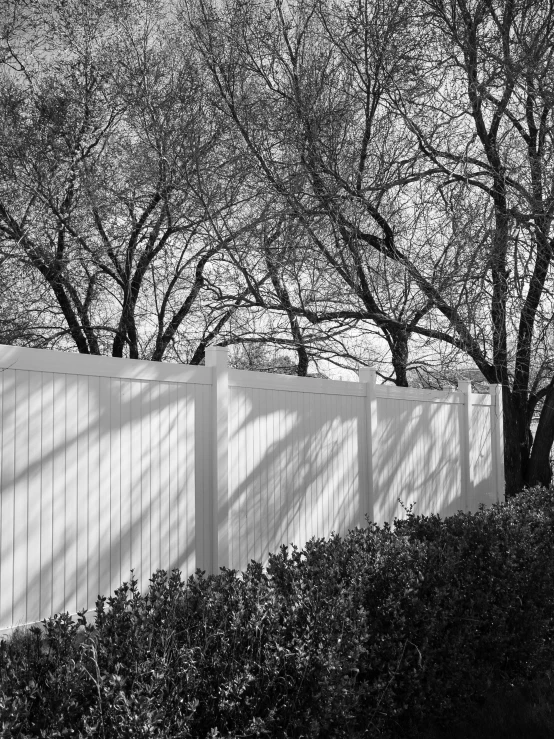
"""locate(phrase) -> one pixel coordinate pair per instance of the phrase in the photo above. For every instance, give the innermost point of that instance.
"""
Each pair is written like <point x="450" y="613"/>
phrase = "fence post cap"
<point x="216" y="355"/>
<point x="367" y="374"/>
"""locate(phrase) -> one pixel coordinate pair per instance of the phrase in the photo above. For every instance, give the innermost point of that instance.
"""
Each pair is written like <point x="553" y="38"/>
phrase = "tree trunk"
<point x="516" y="442"/>
<point x="539" y="470"/>
<point x="399" y="357"/>
<point x="303" y="361"/>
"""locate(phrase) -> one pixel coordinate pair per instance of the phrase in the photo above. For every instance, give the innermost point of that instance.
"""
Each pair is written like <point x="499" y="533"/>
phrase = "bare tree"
<point x="292" y="96"/>
<point x="492" y="131"/>
<point x="413" y="146"/>
<point x="308" y="174"/>
<point x="116" y="179"/>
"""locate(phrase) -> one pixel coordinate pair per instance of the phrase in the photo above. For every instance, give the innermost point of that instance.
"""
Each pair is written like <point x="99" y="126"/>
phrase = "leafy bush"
<point x="369" y="635"/>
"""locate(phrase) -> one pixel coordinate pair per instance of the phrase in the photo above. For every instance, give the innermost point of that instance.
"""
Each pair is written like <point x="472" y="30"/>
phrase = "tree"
<point x="115" y="179"/>
<point x="284" y="83"/>
<point x="413" y="146"/>
<point x="494" y="134"/>
<point x="319" y="176"/>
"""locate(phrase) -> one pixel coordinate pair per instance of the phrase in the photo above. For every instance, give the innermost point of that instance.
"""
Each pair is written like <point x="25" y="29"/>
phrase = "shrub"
<point x="369" y="635"/>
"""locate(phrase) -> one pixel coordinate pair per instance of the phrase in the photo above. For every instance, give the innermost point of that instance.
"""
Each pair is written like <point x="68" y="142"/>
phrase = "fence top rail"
<point x="292" y="383"/>
<point x="393" y="392"/>
<point x="69" y="363"/>
<point x="429" y="396"/>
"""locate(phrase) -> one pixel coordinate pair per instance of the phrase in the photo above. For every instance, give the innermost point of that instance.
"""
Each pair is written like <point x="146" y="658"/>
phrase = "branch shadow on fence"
<point x="102" y="474"/>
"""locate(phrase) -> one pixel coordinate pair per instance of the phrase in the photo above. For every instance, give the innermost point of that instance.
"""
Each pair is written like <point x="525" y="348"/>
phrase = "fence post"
<point x="464" y="386"/>
<point x="368" y="375"/>
<point x="497" y="432"/>
<point x="216" y="357"/>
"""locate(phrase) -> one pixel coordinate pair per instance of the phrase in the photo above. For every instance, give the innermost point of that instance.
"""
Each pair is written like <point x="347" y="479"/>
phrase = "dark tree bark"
<point x="539" y="470"/>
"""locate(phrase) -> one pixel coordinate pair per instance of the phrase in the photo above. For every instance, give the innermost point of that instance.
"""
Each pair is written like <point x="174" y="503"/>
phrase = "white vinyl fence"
<point x="111" y="464"/>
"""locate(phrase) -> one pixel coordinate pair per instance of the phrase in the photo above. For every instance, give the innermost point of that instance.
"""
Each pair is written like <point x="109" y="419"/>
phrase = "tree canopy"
<point x="357" y="181"/>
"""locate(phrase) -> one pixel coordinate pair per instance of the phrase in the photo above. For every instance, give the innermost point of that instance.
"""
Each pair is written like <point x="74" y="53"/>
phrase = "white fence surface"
<point x="109" y="465"/>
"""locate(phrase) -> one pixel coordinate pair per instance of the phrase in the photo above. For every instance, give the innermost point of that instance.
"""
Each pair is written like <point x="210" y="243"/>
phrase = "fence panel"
<point x="112" y="464"/>
<point x="97" y="477"/>
<point x="417" y="454"/>
<point x="482" y="454"/>
<point x="290" y="451"/>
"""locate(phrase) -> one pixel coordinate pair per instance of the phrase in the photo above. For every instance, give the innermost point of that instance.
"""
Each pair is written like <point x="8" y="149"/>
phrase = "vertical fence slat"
<point x="102" y="467"/>
<point x="135" y="476"/>
<point x="264" y="483"/>
<point x="81" y="461"/>
<point x="216" y="357"/>
<point x="155" y="489"/>
<point x="46" y="485"/>
<point x="368" y="375"/>
<point x="164" y="480"/>
<point x="203" y="474"/>
<point x="173" y="479"/>
<point x="75" y="465"/>
<point x="146" y="483"/>
<point x="95" y="445"/>
<point x="21" y="510"/>
<point x="181" y="447"/>
<point x="249" y="504"/>
<point x="60" y="478"/>
<point x="125" y="478"/>
<point x="192" y="536"/>
<point x="36" y="568"/>
<point x="8" y="498"/>
<point x="112" y="467"/>
<point x="464" y="387"/>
